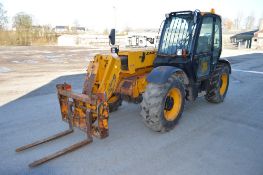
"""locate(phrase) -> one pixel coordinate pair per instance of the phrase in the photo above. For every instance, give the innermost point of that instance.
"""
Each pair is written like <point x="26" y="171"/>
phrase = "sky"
<point x="102" y="14"/>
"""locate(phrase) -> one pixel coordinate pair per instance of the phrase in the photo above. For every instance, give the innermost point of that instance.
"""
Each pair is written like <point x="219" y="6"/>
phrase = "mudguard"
<point x="160" y="74"/>
<point x="224" y="60"/>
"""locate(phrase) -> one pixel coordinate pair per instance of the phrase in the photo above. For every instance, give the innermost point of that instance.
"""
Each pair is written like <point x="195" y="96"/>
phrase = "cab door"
<point x="204" y="53"/>
<point x="217" y="46"/>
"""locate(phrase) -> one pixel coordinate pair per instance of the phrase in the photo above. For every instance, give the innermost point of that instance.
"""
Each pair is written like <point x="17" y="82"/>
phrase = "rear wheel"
<point x="218" y="85"/>
<point x="162" y="105"/>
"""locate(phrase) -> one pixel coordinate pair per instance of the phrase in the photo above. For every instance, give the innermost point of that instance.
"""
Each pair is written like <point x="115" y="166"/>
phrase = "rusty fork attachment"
<point x="80" y="111"/>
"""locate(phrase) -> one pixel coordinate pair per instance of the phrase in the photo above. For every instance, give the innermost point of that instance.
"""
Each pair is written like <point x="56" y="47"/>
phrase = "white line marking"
<point x="248" y="71"/>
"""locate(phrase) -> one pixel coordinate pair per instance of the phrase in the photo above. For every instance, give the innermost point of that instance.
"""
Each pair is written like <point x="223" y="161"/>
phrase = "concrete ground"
<point x="224" y="138"/>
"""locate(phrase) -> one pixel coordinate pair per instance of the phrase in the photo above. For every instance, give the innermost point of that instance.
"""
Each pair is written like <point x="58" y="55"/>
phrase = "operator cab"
<point x="192" y="41"/>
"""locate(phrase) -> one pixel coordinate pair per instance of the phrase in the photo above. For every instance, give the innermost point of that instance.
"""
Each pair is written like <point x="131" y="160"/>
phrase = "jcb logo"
<point x="149" y="53"/>
<point x="142" y="57"/>
<point x="204" y="66"/>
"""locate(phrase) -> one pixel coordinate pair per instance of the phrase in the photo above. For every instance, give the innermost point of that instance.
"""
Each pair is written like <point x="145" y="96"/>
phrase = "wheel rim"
<point x="173" y="102"/>
<point x="223" y="83"/>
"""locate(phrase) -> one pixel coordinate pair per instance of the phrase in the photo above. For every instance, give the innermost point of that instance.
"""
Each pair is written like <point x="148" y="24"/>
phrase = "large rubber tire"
<point x="218" y="84"/>
<point x="154" y="101"/>
<point x="114" y="102"/>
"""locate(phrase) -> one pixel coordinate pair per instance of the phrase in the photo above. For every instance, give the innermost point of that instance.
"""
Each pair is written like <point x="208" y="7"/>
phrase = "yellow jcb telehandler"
<point x="186" y="63"/>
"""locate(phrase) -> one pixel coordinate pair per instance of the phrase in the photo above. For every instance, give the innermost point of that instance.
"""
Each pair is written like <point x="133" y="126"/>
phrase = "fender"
<point x="225" y="61"/>
<point x="160" y="74"/>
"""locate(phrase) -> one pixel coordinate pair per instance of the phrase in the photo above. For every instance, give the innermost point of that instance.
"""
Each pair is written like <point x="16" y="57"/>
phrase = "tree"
<point x="238" y="21"/>
<point x="127" y="30"/>
<point x="105" y="32"/>
<point x="76" y="23"/>
<point x="75" y="26"/>
<point x="250" y="22"/>
<point x="22" y="21"/>
<point x="260" y="24"/>
<point x="3" y="17"/>
<point x="228" y="24"/>
<point x="23" y="26"/>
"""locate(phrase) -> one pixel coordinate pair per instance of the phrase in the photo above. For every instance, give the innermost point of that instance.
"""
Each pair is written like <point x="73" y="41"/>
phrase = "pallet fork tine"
<point x="71" y="148"/>
<point x="60" y="153"/>
<point x="39" y="142"/>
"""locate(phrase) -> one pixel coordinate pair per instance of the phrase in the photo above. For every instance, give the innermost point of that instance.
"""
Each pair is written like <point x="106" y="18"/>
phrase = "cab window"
<point x="205" y="38"/>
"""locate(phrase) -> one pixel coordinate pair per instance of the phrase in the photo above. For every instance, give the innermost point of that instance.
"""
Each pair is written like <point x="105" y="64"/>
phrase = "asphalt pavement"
<point x="210" y="139"/>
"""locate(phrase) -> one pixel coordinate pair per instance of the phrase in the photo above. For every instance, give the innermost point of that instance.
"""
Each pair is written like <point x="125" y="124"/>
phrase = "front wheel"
<point x="114" y="102"/>
<point x="162" y="105"/>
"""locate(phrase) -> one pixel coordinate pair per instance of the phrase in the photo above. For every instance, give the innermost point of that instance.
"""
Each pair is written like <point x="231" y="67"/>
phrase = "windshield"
<point x="176" y="34"/>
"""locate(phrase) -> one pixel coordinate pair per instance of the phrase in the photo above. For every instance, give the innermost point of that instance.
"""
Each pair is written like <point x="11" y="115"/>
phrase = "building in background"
<point x="61" y="29"/>
<point x="90" y="40"/>
<point x="142" y="39"/>
<point x="244" y="39"/>
<point x="251" y="39"/>
<point x="257" y="40"/>
<point x="69" y="29"/>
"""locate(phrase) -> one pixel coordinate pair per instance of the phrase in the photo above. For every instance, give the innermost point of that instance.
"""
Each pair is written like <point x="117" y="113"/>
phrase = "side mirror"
<point x="112" y="37"/>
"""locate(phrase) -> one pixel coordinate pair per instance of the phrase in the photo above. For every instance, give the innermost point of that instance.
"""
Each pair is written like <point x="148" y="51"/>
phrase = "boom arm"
<point x="105" y="72"/>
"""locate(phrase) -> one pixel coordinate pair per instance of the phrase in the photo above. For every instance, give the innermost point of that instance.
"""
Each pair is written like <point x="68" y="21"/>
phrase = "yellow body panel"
<point x="109" y="72"/>
<point x="110" y="77"/>
<point x="138" y="60"/>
